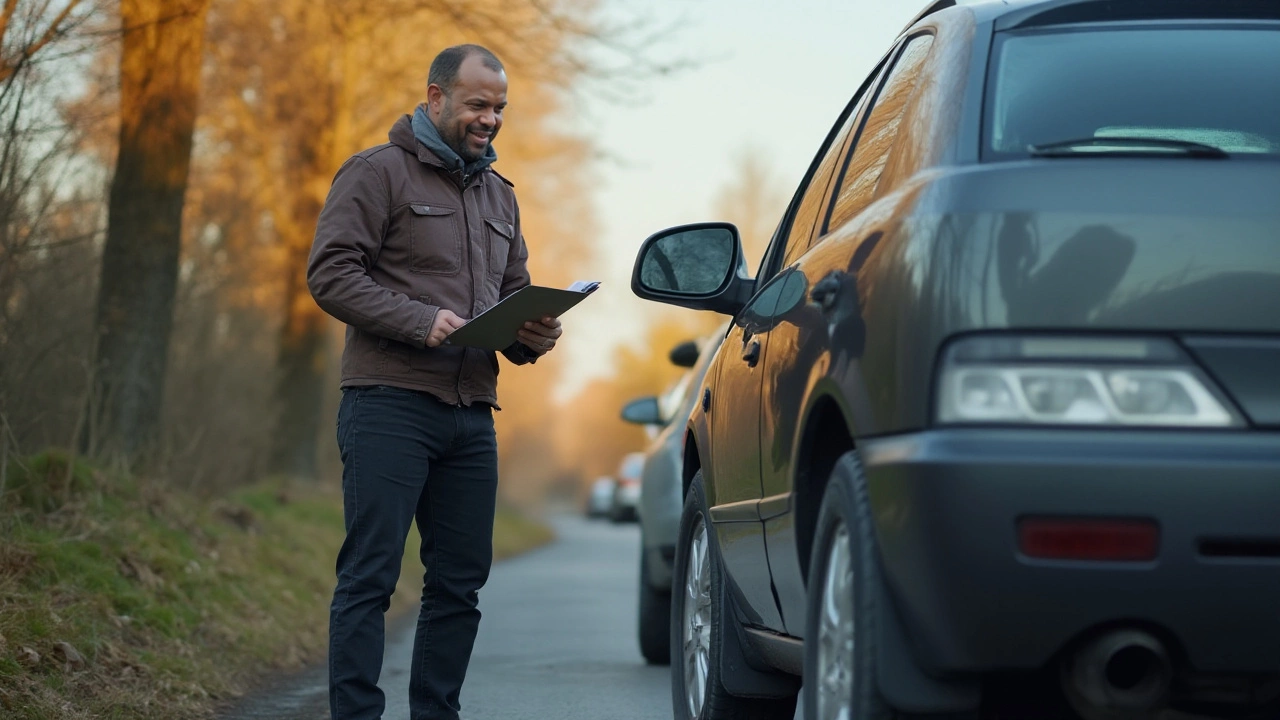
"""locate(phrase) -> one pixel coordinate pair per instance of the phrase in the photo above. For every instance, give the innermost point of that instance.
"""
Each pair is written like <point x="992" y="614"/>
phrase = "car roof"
<point x="983" y="9"/>
<point x="1013" y="12"/>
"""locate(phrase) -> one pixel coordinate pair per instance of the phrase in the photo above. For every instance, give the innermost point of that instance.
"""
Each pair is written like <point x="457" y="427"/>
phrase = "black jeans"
<point x="406" y="456"/>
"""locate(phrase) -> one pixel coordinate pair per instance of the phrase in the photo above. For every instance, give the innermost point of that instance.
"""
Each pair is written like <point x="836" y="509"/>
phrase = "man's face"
<point x="469" y="114"/>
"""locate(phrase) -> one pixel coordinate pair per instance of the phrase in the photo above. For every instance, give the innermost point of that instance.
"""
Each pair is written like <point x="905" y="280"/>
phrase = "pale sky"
<point x="780" y="72"/>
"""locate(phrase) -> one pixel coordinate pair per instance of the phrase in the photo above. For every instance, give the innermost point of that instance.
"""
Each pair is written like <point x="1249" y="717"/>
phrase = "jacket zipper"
<point x="466" y="221"/>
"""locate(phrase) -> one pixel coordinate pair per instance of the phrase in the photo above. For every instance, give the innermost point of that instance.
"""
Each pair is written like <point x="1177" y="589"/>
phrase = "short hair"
<point x="444" y="69"/>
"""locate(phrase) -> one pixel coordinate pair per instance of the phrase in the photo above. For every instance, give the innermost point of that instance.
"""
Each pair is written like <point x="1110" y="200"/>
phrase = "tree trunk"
<point x="304" y="354"/>
<point x="159" y="89"/>
<point x="304" y="340"/>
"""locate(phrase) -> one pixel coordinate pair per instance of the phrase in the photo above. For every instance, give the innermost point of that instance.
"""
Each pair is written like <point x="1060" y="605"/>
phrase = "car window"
<point x="798" y="222"/>
<point x="773" y="253"/>
<point x="1200" y="84"/>
<point x="861" y="175"/>
<point x="810" y="205"/>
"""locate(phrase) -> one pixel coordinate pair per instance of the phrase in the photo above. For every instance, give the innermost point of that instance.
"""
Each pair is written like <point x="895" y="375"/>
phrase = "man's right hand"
<point x="445" y="323"/>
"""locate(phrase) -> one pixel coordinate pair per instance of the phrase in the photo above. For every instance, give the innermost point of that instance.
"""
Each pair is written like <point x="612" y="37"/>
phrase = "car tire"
<point x="841" y="620"/>
<point x="654" y="626"/>
<point x="699" y="663"/>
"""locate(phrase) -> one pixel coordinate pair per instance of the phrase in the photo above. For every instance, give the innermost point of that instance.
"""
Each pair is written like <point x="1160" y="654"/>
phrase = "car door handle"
<point x="751" y="353"/>
<point x="826" y="291"/>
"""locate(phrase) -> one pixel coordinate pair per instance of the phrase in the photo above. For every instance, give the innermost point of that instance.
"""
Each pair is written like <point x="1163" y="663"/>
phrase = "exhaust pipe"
<point x="1121" y="674"/>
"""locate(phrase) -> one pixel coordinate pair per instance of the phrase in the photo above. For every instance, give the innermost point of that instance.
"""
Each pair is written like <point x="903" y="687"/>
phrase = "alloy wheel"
<point x="697" y="620"/>
<point x="835" y="632"/>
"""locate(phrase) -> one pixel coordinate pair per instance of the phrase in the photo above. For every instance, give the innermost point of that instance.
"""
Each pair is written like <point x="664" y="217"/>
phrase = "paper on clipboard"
<point x="495" y="329"/>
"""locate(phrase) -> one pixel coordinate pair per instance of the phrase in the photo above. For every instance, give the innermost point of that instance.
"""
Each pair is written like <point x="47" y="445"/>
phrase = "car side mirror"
<point x="685" y="354"/>
<point x="643" y="411"/>
<point x="699" y="266"/>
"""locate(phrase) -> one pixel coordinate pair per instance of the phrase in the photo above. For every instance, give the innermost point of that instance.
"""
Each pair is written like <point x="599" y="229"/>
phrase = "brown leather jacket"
<point x="399" y="238"/>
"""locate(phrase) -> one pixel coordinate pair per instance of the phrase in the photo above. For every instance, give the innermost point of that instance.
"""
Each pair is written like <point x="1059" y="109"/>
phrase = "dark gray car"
<point x="996" y="429"/>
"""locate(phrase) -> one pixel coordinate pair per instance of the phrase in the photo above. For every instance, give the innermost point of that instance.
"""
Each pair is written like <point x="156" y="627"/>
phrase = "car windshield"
<point x="1198" y="91"/>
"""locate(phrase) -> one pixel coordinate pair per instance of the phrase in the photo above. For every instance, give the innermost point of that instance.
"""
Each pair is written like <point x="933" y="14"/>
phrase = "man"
<point x="417" y="235"/>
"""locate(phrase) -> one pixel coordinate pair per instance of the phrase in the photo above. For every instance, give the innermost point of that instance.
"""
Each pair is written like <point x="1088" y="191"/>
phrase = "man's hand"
<point x="540" y="337"/>
<point x="445" y="323"/>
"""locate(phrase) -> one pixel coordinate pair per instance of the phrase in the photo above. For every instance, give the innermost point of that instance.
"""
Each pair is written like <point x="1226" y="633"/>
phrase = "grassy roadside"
<point x="118" y="600"/>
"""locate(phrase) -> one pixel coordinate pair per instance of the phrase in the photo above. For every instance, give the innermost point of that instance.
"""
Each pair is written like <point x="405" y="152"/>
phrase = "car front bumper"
<point x="946" y="503"/>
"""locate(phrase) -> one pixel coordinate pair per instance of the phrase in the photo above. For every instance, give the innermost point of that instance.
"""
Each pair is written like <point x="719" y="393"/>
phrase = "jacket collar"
<point x="402" y="136"/>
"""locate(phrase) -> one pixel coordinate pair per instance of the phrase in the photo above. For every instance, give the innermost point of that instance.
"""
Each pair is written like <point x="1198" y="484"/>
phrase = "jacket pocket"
<point x="435" y="240"/>
<point x="501" y="234"/>
<point x="393" y="358"/>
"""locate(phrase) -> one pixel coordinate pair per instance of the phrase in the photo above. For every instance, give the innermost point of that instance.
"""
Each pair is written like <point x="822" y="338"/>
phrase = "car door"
<point x="734" y="419"/>
<point x="734" y="426"/>
<point x="819" y="308"/>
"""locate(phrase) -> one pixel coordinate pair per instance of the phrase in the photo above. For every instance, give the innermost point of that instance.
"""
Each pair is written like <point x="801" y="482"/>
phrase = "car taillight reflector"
<point x="1089" y="539"/>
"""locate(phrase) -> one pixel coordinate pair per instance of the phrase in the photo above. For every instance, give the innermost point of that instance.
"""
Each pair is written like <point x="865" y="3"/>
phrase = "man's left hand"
<point x="540" y="337"/>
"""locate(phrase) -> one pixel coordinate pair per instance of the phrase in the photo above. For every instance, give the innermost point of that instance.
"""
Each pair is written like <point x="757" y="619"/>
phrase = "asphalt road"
<point x="557" y="640"/>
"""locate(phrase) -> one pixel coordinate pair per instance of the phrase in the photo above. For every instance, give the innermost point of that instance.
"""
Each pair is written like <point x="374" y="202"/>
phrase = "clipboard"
<point x="495" y="329"/>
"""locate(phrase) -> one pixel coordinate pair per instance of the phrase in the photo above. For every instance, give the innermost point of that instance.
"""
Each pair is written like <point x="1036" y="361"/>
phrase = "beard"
<point x="456" y="137"/>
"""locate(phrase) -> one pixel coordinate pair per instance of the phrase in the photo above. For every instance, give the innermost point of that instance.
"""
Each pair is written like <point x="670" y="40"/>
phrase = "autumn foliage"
<point x="162" y="166"/>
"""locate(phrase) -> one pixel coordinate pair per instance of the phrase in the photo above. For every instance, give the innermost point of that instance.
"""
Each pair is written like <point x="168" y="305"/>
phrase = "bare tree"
<point x="160" y="63"/>
<point x="27" y="29"/>
<point x="47" y="224"/>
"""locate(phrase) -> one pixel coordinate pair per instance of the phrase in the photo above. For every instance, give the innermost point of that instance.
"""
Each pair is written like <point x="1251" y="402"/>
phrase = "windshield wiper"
<point x="1125" y="145"/>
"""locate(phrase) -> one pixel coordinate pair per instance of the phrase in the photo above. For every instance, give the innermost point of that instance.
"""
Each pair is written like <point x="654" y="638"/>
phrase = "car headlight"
<point x="1077" y="381"/>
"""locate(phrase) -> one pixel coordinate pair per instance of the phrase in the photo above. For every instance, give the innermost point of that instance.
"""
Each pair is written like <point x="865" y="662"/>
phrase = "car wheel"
<point x="698" y="628"/>
<point x="844" y="582"/>
<point x="655" y="617"/>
